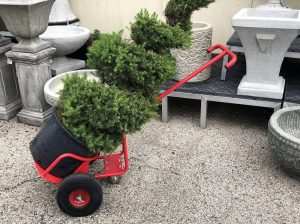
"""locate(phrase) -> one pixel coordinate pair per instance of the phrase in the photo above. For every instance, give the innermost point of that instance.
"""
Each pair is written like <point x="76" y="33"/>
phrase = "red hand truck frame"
<point x="115" y="165"/>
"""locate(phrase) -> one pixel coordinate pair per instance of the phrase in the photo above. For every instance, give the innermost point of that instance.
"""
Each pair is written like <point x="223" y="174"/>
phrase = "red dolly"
<point x="80" y="193"/>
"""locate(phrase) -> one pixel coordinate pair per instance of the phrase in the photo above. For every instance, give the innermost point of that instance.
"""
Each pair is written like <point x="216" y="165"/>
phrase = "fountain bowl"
<point x="66" y="39"/>
<point x="27" y="19"/>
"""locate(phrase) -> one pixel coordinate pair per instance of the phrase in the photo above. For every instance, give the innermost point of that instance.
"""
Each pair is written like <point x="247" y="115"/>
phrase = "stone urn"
<point x="31" y="23"/>
<point x="284" y="139"/>
<point x="188" y="60"/>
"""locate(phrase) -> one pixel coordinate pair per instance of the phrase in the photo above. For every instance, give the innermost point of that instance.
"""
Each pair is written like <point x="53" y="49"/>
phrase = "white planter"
<point x="55" y="85"/>
<point x="266" y="35"/>
<point x="190" y="59"/>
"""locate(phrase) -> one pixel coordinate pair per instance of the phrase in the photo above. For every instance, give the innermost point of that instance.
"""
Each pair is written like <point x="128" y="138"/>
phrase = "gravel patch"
<point x="178" y="173"/>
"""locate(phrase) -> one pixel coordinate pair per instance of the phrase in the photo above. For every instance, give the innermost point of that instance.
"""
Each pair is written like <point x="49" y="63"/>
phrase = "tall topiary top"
<point x="131" y="73"/>
<point x="179" y="12"/>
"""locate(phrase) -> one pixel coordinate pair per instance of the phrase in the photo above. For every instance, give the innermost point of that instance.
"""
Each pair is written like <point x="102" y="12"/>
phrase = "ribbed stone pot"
<point x="27" y="19"/>
<point x="188" y="60"/>
<point x="284" y="139"/>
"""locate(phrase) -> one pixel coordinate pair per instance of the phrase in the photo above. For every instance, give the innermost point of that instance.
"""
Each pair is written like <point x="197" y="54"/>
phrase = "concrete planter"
<point x="284" y="139"/>
<point x="266" y="35"/>
<point x="54" y="85"/>
<point x="27" y="19"/>
<point x="191" y="59"/>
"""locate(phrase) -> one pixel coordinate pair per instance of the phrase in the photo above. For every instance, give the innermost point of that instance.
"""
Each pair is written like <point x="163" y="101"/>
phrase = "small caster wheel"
<point x="114" y="179"/>
<point x="79" y="195"/>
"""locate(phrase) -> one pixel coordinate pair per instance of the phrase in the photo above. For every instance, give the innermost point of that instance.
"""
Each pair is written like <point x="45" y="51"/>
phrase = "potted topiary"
<point x="179" y="13"/>
<point x="95" y="109"/>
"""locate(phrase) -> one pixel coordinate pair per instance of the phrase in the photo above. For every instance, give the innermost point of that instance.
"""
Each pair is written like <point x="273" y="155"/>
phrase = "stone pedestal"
<point x="33" y="71"/>
<point x="10" y="101"/>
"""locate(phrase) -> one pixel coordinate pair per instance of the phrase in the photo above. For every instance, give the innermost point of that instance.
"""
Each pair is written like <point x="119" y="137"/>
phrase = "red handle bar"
<point x="229" y="52"/>
<point x="224" y="52"/>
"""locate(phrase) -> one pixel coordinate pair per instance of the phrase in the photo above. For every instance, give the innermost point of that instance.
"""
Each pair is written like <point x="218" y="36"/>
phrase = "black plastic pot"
<point x="54" y="140"/>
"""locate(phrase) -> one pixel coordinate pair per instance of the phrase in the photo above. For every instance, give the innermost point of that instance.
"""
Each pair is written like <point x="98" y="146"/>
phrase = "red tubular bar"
<point x="84" y="167"/>
<point x="224" y="52"/>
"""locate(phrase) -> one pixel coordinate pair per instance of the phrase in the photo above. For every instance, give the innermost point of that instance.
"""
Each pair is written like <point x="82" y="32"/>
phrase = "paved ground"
<point x="178" y="174"/>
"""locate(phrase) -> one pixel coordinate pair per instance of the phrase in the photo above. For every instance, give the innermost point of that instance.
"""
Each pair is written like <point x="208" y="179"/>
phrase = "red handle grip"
<point x="232" y="55"/>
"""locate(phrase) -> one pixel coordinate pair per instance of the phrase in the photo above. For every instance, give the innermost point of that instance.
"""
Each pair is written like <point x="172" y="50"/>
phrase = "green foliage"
<point x="156" y="35"/>
<point x="131" y="73"/>
<point x="96" y="35"/>
<point x="98" y="114"/>
<point x="179" y="12"/>
<point x="130" y="66"/>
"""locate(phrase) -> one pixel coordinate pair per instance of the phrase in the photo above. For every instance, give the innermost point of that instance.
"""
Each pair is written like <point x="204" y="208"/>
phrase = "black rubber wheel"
<point x="79" y="195"/>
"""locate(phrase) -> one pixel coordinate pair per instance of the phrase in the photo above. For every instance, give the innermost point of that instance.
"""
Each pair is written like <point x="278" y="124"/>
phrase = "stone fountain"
<point x="65" y="38"/>
<point x="266" y="35"/>
<point x="27" y="19"/>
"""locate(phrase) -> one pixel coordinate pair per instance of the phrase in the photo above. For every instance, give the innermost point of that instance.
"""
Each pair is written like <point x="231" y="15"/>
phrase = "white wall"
<point x="113" y="15"/>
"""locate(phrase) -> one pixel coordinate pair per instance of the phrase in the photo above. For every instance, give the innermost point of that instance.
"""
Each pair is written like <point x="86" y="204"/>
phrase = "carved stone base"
<point x="9" y="111"/>
<point x="34" y="118"/>
<point x="33" y="71"/>
<point x="10" y="101"/>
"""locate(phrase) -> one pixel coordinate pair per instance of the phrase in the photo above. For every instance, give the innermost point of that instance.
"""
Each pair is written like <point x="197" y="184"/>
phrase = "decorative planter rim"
<point x="50" y="94"/>
<point x="207" y="26"/>
<point x="21" y="2"/>
<point x="273" y="123"/>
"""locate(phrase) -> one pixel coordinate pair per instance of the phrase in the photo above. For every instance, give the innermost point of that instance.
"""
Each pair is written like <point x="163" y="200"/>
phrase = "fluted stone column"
<point x="10" y="101"/>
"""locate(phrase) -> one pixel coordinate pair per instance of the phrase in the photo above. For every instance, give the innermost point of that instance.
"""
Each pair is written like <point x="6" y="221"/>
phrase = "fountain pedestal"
<point x="10" y="101"/>
<point x="266" y="36"/>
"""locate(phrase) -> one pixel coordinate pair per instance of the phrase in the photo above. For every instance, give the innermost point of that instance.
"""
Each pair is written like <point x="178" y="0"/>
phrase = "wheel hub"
<point x="79" y="198"/>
